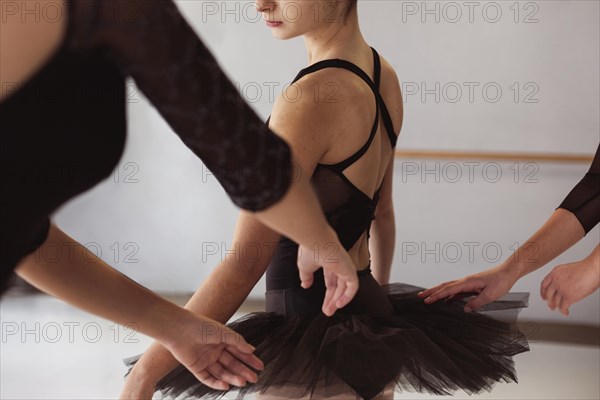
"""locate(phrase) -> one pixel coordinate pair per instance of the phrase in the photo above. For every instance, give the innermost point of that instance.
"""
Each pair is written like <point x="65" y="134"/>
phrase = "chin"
<point x="284" y="35"/>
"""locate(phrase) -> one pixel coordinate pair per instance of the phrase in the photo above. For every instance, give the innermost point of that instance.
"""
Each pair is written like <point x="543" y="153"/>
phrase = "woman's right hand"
<point x="339" y="271"/>
<point x="216" y="355"/>
<point x="488" y="285"/>
<point x="213" y="353"/>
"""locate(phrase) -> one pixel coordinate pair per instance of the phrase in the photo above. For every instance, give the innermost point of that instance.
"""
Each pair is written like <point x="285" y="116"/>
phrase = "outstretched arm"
<point x="576" y="216"/>
<point x="258" y="169"/>
<point x="80" y="278"/>
<point x="219" y="297"/>
<point x="558" y="234"/>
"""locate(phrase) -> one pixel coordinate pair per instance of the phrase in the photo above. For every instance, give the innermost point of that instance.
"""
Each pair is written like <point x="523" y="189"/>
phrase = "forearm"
<point x="381" y="246"/>
<point x="85" y="281"/>
<point x="593" y="261"/>
<point x="219" y="297"/>
<point x="221" y="294"/>
<point x="560" y="232"/>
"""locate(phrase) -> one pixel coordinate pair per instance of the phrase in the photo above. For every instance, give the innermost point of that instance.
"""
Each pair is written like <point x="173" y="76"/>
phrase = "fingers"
<point x="544" y="287"/>
<point x="222" y="374"/>
<point x="430" y="291"/>
<point x="455" y="288"/>
<point x="331" y="286"/>
<point x="233" y="364"/>
<point x="249" y="359"/>
<point x="349" y="293"/>
<point x="337" y="296"/>
<point x="340" y="291"/>
<point x="563" y="307"/>
<point x="306" y="278"/>
<point x="242" y="351"/>
<point x="232" y="338"/>
<point x="555" y="300"/>
<point x="209" y="380"/>
<point x="228" y="370"/>
<point x="550" y="296"/>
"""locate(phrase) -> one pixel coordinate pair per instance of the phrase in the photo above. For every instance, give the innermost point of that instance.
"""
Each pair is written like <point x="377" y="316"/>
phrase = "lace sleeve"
<point x="584" y="199"/>
<point x="154" y="45"/>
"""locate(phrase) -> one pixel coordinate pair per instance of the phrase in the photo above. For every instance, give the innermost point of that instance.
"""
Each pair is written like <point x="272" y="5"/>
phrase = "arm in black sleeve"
<point x="584" y="199"/>
<point x="154" y="45"/>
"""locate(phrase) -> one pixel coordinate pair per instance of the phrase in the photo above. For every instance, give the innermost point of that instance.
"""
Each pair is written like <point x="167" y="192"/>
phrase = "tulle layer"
<point x="436" y="348"/>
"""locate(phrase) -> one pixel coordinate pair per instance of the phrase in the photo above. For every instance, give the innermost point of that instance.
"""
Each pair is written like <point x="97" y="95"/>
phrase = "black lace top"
<point x="63" y="131"/>
<point x="584" y="199"/>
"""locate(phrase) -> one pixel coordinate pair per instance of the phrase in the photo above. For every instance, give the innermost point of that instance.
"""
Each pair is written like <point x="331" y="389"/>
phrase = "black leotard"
<point x="385" y="335"/>
<point x="64" y="130"/>
<point x="349" y="210"/>
<point x="584" y="199"/>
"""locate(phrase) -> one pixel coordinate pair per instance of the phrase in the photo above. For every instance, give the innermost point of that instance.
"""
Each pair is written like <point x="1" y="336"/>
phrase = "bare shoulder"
<point x="27" y="43"/>
<point x="323" y="105"/>
<point x="392" y="93"/>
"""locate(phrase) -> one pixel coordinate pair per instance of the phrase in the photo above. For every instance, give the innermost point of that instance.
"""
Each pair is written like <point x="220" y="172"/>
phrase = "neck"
<point x="335" y="40"/>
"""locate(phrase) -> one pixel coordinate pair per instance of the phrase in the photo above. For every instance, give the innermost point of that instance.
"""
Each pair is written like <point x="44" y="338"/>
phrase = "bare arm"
<point x="24" y="45"/>
<point x="219" y="296"/>
<point x="560" y="232"/>
<point x="383" y="230"/>
<point x="80" y="278"/>
<point x="233" y="279"/>
<point x="577" y="215"/>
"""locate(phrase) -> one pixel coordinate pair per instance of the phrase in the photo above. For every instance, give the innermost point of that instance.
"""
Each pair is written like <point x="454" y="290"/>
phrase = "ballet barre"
<point x="541" y="157"/>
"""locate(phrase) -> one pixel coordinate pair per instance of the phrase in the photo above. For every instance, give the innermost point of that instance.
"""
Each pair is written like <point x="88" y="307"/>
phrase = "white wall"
<point x="167" y="216"/>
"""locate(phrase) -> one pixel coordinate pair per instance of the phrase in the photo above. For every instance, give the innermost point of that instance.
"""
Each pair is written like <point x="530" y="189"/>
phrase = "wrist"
<point x="142" y="376"/>
<point x="325" y="246"/>
<point x="592" y="264"/>
<point x="515" y="268"/>
<point x="168" y="321"/>
<point x="325" y="235"/>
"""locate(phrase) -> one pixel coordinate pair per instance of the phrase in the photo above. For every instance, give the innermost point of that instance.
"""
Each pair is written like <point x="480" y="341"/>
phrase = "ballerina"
<point x="64" y="129"/>
<point x="386" y="338"/>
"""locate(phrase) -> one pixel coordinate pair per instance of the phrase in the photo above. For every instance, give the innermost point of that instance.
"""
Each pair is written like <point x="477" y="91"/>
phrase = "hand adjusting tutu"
<point x="385" y="334"/>
<point x="435" y="348"/>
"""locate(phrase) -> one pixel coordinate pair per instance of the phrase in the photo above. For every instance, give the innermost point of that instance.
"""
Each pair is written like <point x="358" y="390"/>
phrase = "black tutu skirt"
<point x="385" y="336"/>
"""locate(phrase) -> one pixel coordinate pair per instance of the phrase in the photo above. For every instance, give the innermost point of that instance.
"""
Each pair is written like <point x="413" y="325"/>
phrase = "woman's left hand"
<point x="569" y="283"/>
<point x="487" y="286"/>
<point x="339" y="271"/>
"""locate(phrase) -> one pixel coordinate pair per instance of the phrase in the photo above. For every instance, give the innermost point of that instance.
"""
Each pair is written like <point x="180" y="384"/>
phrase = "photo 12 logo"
<point x="454" y="12"/>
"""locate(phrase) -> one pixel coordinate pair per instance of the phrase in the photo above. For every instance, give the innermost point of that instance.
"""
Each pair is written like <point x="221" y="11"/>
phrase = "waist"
<point x="282" y="272"/>
<point x="369" y="299"/>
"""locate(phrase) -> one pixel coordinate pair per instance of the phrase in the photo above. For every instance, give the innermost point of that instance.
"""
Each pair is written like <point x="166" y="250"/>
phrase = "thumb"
<point x="306" y="278"/>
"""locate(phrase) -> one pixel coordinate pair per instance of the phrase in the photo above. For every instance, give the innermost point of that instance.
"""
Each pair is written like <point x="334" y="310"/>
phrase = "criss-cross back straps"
<point x="380" y="103"/>
<point x="385" y="115"/>
<point x="337" y="63"/>
<point x="373" y="84"/>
